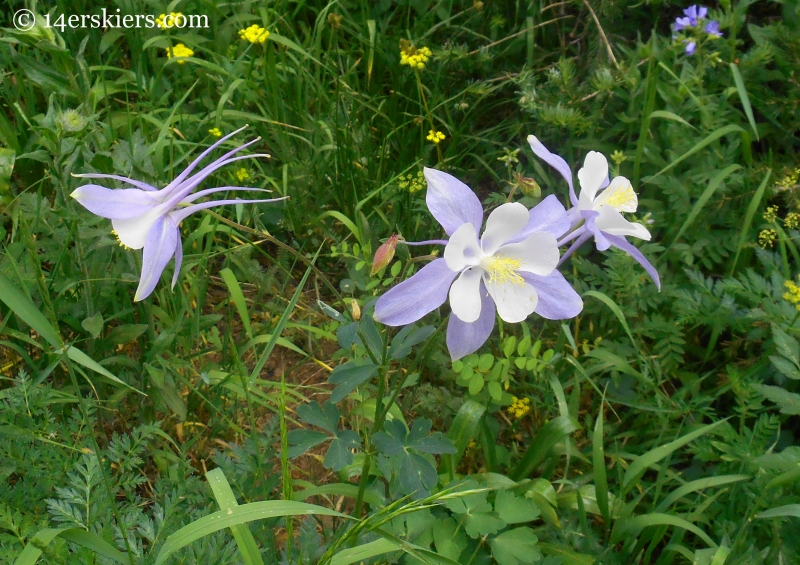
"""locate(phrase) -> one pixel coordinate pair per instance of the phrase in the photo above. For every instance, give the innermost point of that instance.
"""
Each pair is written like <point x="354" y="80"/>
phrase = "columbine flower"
<point x="599" y="206"/>
<point x="215" y="132"/>
<point x="145" y="217"/>
<point x="254" y="34"/>
<point x="510" y="270"/>
<point x="180" y="51"/>
<point x="435" y="136"/>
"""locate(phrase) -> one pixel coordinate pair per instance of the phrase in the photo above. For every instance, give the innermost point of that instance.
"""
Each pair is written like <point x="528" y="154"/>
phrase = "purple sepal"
<point x="690" y="47"/>
<point x="557" y="299"/>
<point x="415" y="297"/>
<point x="159" y="248"/>
<point x="464" y="338"/>
<point x="621" y="243"/>
<point x="712" y="28"/>
<point x="548" y="216"/>
<point x="114" y="204"/>
<point x="555" y="161"/>
<point x="452" y="202"/>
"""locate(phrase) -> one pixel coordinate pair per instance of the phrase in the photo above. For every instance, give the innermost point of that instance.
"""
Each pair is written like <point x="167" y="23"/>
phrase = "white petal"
<point x="593" y="174"/>
<point x="504" y="223"/>
<point x="515" y="301"/>
<point x="538" y="254"/>
<point x="132" y="232"/>
<point x="463" y="250"/>
<point x="619" y="195"/>
<point x="610" y="221"/>
<point x="465" y="296"/>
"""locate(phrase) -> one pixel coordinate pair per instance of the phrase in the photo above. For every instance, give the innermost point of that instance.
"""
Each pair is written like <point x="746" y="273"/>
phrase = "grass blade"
<point x="699" y="484"/>
<point x="748" y="109"/>
<point x="632" y="526"/>
<point x="238" y="298"/>
<point x="641" y="463"/>
<point x="710" y="138"/>
<point x="713" y="184"/>
<point x="748" y="217"/>
<point x="540" y="447"/>
<point x="30" y="555"/>
<point x="238" y="515"/>
<point x="781" y="511"/>
<point x="614" y="308"/>
<point x="226" y="500"/>
<point x="599" y="468"/>
<point x="27" y="311"/>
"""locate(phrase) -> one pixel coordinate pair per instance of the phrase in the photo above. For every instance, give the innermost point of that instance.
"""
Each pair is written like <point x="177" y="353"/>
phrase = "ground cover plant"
<point x="400" y="282"/>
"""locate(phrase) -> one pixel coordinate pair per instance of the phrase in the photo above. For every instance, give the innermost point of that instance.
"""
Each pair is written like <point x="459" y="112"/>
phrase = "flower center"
<point x="622" y="199"/>
<point x="503" y="270"/>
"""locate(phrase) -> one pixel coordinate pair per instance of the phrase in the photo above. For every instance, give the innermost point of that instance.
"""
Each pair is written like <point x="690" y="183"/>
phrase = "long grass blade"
<point x="241" y="533"/>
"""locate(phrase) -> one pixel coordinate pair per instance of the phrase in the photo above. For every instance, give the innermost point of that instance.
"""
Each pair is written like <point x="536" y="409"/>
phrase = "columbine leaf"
<point x="450" y="540"/>
<point x="417" y="475"/>
<point x="348" y="377"/>
<point x="475" y="513"/>
<point x="339" y="454"/>
<point x="325" y="417"/>
<point x="515" y="547"/>
<point x="407" y="338"/>
<point x="514" y="509"/>
<point x="303" y="440"/>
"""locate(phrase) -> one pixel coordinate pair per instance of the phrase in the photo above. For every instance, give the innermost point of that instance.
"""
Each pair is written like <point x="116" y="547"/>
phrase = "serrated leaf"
<point x="788" y="402"/>
<point x="513" y="509"/>
<point x="516" y="546"/>
<point x="786" y="344"/>
<point x="786" y="367"/>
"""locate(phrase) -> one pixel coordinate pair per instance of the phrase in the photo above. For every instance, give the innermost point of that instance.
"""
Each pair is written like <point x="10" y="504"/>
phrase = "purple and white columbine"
<point x="145" y="217"/>
<point x="510" y="270"/>
<point x="597" y="212"/>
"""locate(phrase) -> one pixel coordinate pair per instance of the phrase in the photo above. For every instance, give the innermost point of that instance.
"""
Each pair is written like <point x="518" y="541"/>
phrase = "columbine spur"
<point x="510" y="270"/>
<point x="147" y="218"/>
<point x="597" y="212"/>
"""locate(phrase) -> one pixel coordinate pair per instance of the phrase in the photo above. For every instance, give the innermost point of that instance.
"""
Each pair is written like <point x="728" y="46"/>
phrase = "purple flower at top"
<point x="510" y="270"/>
<point x="147" y="218"/>
<point x="712" y="28"/>
<point x="693" y="15"/>
<point x="690" y="47"/>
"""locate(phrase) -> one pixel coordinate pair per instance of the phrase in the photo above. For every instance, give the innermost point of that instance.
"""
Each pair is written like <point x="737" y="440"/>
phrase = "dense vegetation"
<point x="256" y="413"/>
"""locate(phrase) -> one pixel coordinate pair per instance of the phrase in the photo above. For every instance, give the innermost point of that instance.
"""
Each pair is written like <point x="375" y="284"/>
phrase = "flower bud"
<point x="355" y="309"/>
<point x="384" y="255"/>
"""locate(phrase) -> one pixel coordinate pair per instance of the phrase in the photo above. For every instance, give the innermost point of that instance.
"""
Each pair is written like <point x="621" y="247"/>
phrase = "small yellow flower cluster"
<point x="215" y="132"/>
<point x="242" y="174"/>
<point x="790" y="179"/>
<point x="254" y="34"/>
<point x="793" y="293"/>
<point x="179" y="52"/>
<point x="771" y="214"/>
<point x="412" y="183"/>
<point x="767" y="238"/>
<point x="165" y="21"/>
<point x="413" y="57"/>
<point x="435" y="136"/>
<point x="519" y="407"/>
<point x="792" y="220"/>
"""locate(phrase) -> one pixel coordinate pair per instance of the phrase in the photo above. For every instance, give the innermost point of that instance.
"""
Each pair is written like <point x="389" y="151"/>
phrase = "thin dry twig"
<point x="513" y="35"/>
<point x="602" y="34"/>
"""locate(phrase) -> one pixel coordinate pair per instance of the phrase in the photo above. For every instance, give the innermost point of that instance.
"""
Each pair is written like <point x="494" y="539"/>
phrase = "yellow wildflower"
<point x="767" y="238"/>
<point x="254" y="34"/>
<point x="413" y="57"/>
<point x="770" y="214"/>
<point x="179" y="52"/>
<point x="793" y="294"/>
<point x="435" y="136"/>
<point x="618" y="157"/>
<point x="790" y="180"/>
<point x="519" y="407"/>
<point x="412" y="183"/>
<point x="242" y="174"/>
<point x="174" y="19"/>
<point x="792" y="220"/>
<point x="215" y="132"/>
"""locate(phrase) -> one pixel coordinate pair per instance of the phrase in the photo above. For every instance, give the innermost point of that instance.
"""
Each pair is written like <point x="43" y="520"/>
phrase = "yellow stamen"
<point x="503" y="270"/>
<point x="119" y="240"/>
<point x="622" y="198"/>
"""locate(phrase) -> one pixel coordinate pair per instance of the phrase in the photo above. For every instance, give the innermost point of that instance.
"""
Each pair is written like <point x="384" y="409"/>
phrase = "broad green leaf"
<point x="303" y="440"/>
<point x="226" y="500"/>
<point x="449" y="538"/>
<point x="27" y="311"/>
<point x="475" y="513"/>
<point x="349" y="376"/>
<point x="239" y="515"/>
<point x="125" y="333"/>
<point x="465" y="426"/>
<point x="93" y="324"/>
<point x="325" y="417"/>
<point x="339" y="452"/>
<point x="639" y="465"/>
<point x="516" y="546"/>
<point x="514" y="509"/>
